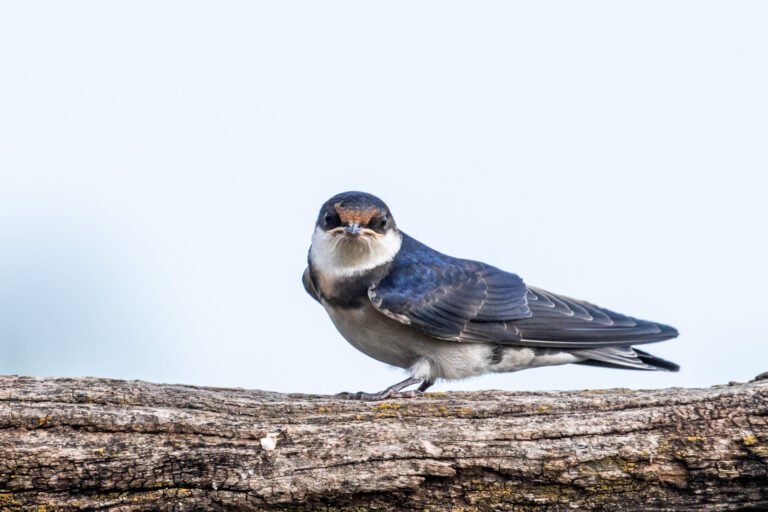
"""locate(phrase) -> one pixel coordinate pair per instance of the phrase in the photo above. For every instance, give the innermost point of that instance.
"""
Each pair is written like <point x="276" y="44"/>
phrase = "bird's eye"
<point x="331" y="220"/>
<point x="379" y="223"/>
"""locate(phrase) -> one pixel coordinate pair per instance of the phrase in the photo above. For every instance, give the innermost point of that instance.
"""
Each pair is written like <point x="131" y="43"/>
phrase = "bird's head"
<point x="355" y="231"/>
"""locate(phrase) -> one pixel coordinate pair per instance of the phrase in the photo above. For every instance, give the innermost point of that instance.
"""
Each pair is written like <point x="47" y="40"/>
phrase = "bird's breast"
<point x="376" y="335"/>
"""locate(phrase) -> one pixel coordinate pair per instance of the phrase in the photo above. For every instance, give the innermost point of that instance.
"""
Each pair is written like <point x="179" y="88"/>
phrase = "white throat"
<point x="341" y="256"/>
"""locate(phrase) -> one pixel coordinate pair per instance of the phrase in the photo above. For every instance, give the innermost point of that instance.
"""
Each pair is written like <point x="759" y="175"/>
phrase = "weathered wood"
<point x="78" y="444"/>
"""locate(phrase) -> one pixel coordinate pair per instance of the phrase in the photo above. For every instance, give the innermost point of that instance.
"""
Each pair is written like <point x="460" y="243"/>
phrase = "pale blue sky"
<point x="162" y="164"/>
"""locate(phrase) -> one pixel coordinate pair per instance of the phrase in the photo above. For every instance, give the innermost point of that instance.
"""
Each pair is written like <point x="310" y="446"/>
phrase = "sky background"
<point x="162" y="165"/>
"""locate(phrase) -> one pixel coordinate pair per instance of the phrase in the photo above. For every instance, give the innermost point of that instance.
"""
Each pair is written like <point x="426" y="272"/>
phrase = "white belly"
<point x="391" y="342"/>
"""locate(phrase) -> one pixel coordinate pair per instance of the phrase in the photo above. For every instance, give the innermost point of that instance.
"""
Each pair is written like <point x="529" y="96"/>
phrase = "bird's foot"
<point x="394" y="391"/>
<point x="381" y="395"/>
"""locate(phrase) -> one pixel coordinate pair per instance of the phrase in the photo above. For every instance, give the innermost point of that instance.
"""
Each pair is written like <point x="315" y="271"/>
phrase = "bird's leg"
<point x="425" y="385"/>
<point x="393" y="391"/>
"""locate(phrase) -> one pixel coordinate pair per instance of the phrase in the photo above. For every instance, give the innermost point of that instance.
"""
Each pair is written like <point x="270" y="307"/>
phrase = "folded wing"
<point x="445" y="301"/>
<point x="469" y="301"/>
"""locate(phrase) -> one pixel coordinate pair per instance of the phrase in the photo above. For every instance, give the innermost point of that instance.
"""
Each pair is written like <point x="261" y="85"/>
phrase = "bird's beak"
<point x="352" y="229"/>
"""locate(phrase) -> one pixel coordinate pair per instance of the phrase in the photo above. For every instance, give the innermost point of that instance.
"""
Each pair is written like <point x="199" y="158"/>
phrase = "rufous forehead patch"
<point x="356" y="215"/>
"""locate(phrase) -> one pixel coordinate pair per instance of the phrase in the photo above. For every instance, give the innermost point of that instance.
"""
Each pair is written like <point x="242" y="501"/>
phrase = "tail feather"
<point x="626" y="358"/>
<point x="657" y="362"/>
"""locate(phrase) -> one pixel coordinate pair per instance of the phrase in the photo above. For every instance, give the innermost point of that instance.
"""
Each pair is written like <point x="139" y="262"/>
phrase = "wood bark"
<point x="83" y="444"/>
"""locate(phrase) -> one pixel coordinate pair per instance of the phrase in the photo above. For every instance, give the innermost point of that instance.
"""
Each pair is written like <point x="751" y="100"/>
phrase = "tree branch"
<point x="79" y="444"/>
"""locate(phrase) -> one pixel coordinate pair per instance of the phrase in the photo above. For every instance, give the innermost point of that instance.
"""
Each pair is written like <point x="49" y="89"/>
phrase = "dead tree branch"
<point x="82" y="444"/>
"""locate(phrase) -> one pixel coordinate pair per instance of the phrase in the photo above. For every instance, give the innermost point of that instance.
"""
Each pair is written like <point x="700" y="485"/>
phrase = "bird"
<point x="439" y="317"/>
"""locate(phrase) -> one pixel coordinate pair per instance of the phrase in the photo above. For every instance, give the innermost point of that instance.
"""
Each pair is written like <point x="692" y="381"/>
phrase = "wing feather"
<point x="441" y="295"/>
<point x="309" y="284"/>
<point x="468" y="301"/>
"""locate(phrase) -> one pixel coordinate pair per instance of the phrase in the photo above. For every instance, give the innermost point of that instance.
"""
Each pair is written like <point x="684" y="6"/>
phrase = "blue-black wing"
<point x="309" y="285"/>
<point x="444" y="296"/>
<point x="468" y="301"/>
<point x="562" y="322"/>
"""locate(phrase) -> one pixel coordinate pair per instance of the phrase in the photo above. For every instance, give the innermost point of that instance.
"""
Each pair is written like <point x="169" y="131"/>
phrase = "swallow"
<point x="439" y="317"/>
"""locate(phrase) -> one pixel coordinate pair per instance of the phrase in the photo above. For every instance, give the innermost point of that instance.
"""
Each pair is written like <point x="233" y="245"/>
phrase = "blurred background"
<point x="162" y="165"/>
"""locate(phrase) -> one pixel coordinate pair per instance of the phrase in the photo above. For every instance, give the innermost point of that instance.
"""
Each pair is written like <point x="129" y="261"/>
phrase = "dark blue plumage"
<point x="463" y="300"/>
<point x="441" y="295"/>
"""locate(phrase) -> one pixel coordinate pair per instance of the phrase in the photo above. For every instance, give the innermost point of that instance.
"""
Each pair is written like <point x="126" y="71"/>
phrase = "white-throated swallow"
<point x="440" y="317"/>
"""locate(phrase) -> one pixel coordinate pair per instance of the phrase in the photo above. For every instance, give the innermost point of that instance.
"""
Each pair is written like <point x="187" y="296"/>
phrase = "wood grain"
<point x="84" y="444"/>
